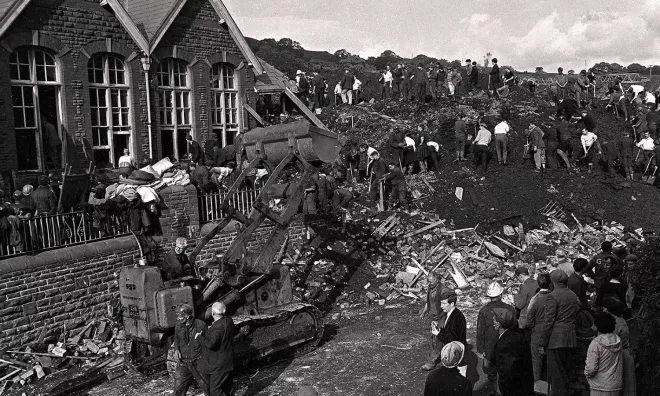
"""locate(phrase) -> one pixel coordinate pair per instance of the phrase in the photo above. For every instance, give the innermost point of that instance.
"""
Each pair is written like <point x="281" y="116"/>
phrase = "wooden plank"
<point x="509" y="244"/>
<point x="312" y="117"/>
<point x="254" y="114"/>
<point x="423" y="229"/>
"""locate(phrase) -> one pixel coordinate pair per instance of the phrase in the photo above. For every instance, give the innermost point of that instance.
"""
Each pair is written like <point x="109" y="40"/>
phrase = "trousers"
<point x="560" y="367"/>
<point x="186" y="374"/>
<point x="481" y="157"/>
<point x="501" y="141"/>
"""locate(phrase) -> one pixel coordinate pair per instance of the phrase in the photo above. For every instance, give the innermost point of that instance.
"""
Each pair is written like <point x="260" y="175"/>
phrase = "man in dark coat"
<point x="486" y="334"/>
<point x="189" y="350"/>
<point x="447" y="380"/>
<point x="511" y="356"/>
<point x="43" y="198"/>
<point x="454" y="326"/>
<point x="201" y="176"/>
<point x="218" y="354"/>
<point x="397" y="182"/>
<point x="194" y="150"/>
<point x="535" y="316"/>
<point x="432" y="306"/>
<point x="557" y="333"/>
<point x="176" y="263"/>
<point x="398" y="144"/>
<point x="599" y="267"/>
<point x="576" y="283"/>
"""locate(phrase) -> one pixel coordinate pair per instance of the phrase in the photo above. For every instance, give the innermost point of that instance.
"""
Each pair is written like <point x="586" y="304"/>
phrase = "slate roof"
<point x="149" y="15"/>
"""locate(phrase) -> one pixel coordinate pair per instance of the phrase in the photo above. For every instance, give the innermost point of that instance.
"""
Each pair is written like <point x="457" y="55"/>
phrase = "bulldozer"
<point x="256" y="288"/>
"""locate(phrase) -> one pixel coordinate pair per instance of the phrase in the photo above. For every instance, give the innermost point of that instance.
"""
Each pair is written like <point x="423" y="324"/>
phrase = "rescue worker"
<point x="188" y="350"/>
<point x="194" y="150"/>
<point x="43" y="198"/>
<point x="460" y="132"/>
<point x="397" y="183"/>
<point x="511" y="357"/>
<point x="398" y="144"/>
<point x="377" y="169"/>
<point x="589" y="140"/>
<point x="176" y="263"/>
<point x="218" y="351"/>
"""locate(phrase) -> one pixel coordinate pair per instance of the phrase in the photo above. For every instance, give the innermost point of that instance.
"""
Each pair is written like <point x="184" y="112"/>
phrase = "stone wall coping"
<point x="87" y="251"/>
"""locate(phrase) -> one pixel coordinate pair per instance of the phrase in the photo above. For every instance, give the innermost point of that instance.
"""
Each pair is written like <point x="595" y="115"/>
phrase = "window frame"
<point x="109" y="87"/>
<point x="174" y="94"/>
<point x="34" y="83"/>
<point x="223" y="92"/>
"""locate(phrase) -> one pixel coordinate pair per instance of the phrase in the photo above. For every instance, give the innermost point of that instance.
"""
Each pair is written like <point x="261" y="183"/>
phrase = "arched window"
<point x="109" y="105"/>
<point x="224" y="111"/>
<point x="174" y="106"/>
<point x="35" y="93"/>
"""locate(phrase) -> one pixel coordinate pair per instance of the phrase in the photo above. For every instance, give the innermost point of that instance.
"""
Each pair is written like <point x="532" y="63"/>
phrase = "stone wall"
<point x="62" y="289"/>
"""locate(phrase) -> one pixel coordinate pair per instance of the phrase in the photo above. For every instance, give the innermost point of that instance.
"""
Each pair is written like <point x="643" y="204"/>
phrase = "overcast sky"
<point x="521" y="33"/>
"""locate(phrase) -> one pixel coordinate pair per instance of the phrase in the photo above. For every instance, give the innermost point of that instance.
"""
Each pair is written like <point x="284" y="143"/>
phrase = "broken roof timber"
<point x="237" y="35"/>
<point x="10" y="14"/>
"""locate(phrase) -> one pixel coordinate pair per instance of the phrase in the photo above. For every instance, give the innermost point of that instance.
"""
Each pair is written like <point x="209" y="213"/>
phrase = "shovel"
<point x="651" y="179"/>
<point x="645" y="177"/>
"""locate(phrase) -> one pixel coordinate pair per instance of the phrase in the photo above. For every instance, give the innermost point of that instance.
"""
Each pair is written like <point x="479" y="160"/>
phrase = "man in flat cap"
<point x="511" y="357"/>
<point x="189" y="351"/>
<point x="176" y="263"/>
<point x="557" y="333"/>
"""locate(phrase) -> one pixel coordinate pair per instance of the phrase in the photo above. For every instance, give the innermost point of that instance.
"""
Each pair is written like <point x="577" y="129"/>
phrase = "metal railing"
<point x="210" y="205"/>
<point x="26" y="236"/>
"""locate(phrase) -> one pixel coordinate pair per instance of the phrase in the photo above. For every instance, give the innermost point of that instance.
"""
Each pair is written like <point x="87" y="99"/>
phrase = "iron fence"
<point x="210" y="205"/>
<point x="26" y="236"/>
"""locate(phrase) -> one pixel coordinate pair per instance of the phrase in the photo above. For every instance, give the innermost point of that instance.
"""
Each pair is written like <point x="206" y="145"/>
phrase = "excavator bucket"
<point x="313" y="143"/>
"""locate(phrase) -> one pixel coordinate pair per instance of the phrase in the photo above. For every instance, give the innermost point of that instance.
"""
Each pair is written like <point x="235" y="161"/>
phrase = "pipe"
<point x="146" y="66"/>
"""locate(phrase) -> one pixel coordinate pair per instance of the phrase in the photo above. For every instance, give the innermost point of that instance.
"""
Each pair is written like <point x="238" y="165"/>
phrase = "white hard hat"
<point x="494" y="290"/>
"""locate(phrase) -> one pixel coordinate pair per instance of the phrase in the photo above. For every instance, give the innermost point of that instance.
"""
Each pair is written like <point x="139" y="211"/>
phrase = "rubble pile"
<point x="98" y="349"/>
<point x="394" y="251"/>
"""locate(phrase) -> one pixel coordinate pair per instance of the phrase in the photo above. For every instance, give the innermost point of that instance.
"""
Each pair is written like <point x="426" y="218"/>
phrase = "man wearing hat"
<point x="176" y="263"/>
<point x="189" y="351"/>
<point x="452" y="328"/>
<point x="511" y="357"/>
<point x="557" y="338"/>
<point x="487" y="335"/>
<point x="44" y="199"/>
<point x="447" y="380"/>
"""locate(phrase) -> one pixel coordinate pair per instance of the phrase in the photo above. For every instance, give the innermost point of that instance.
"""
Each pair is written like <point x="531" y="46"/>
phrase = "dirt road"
<point x="376" y="351"/>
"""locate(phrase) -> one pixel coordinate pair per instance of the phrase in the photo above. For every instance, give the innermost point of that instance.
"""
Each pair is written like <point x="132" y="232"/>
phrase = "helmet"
<point x="494" y="290"/>
<point x="452" y="354"/>
<point x="27" y="189"/>
<point x="181" y="242"/>
<point x="185" y="309"/>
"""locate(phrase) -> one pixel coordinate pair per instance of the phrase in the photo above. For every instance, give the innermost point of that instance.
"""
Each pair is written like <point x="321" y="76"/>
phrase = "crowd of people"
<point x="535" y="341"/>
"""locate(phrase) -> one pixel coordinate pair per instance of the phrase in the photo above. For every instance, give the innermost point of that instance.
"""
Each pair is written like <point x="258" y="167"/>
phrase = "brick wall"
<point x="62" y="289"/>
<point x="74" y="30"/>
